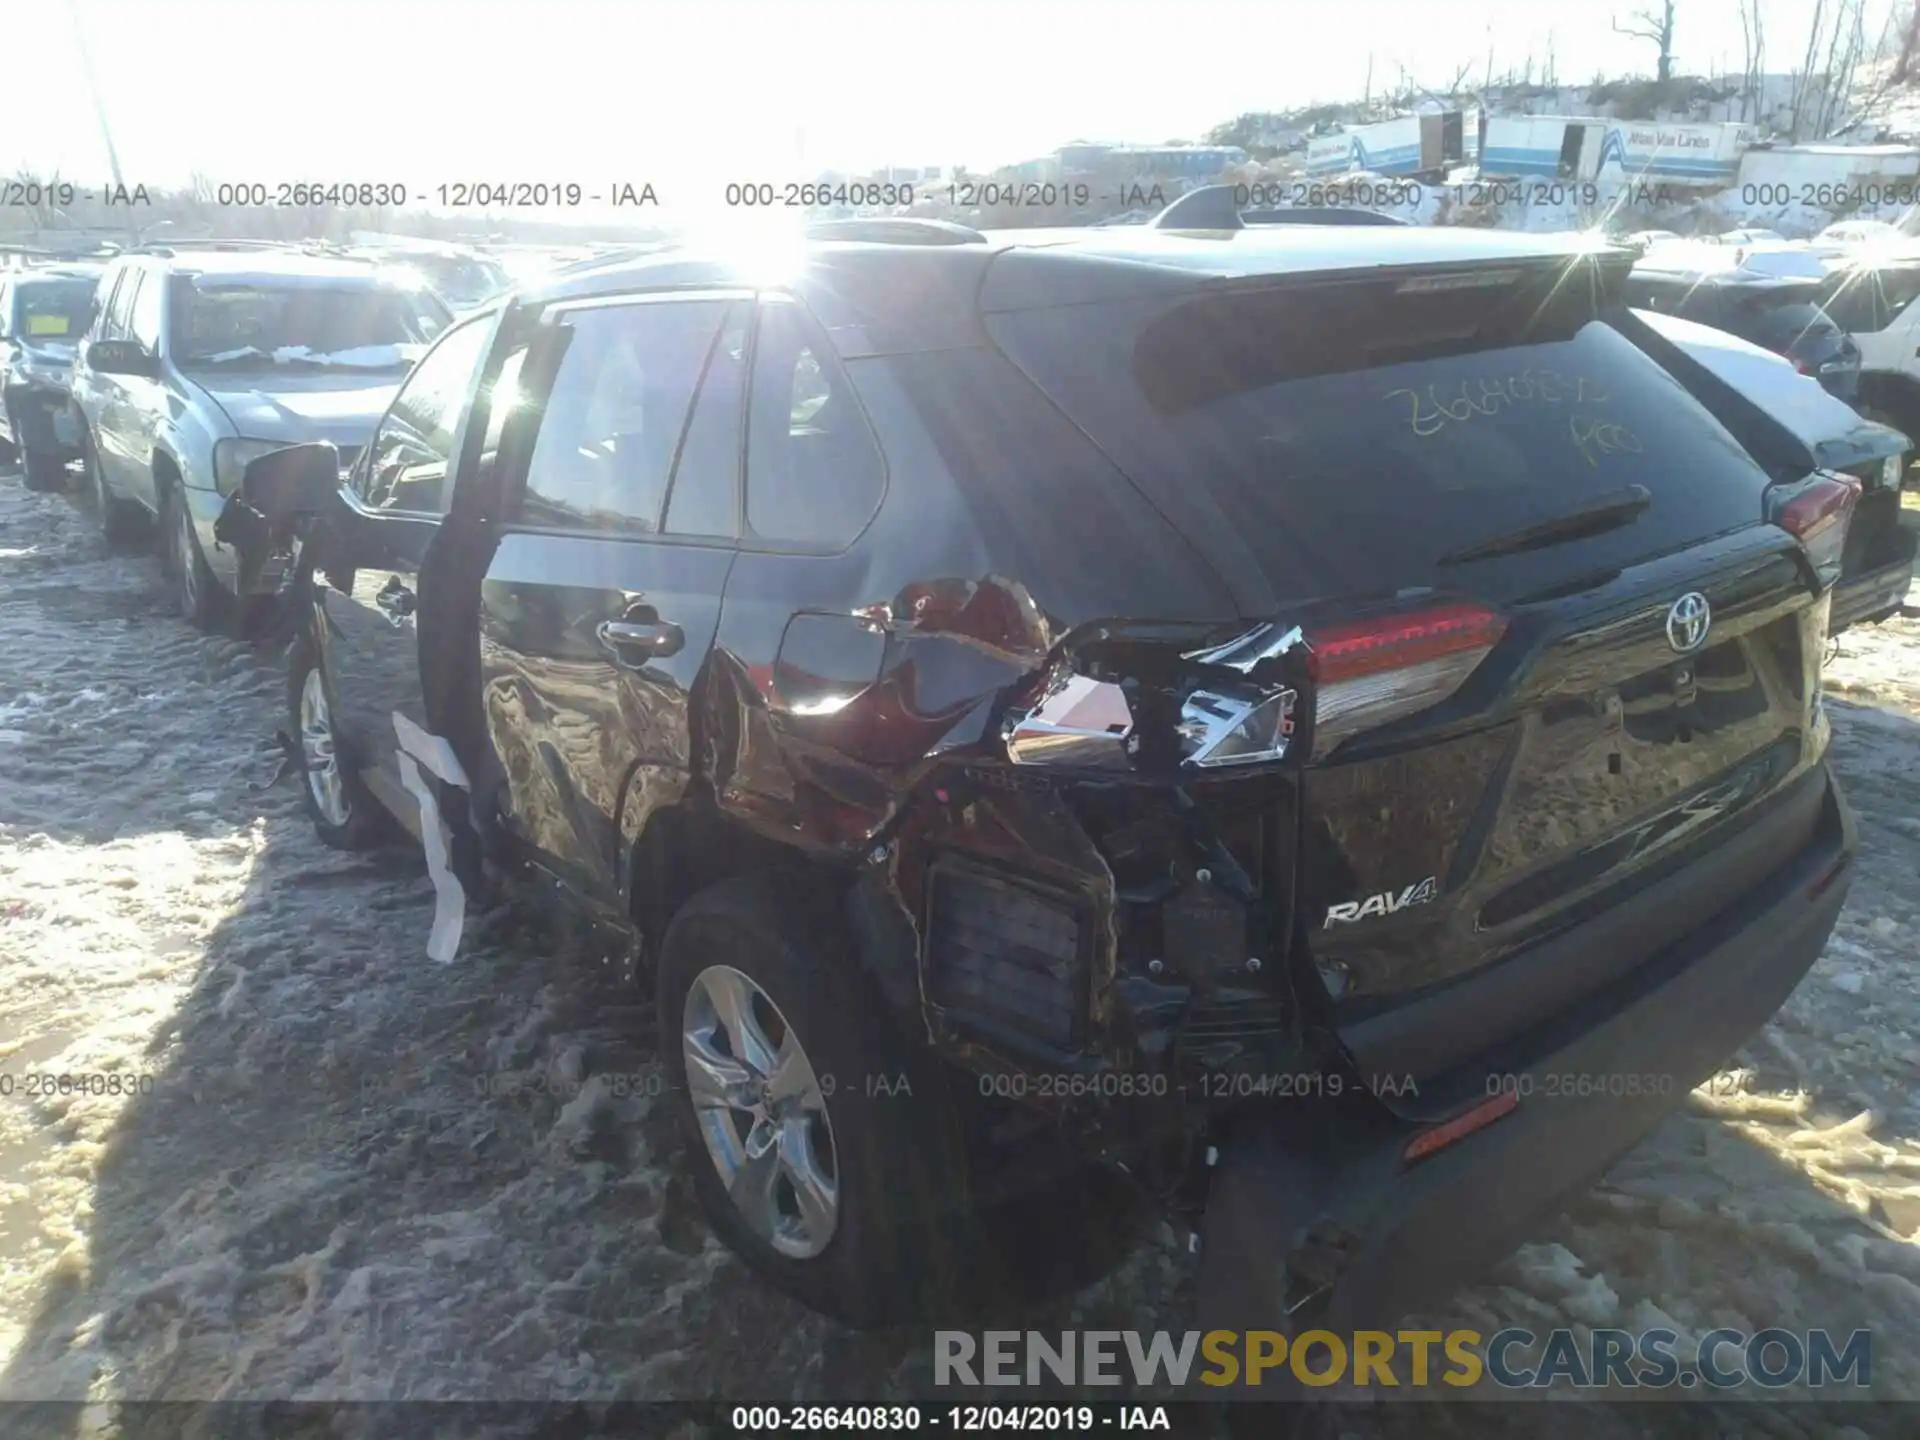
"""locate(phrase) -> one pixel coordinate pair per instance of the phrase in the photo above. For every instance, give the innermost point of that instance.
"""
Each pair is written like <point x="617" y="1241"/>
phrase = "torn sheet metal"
<point x="417" y="749"/>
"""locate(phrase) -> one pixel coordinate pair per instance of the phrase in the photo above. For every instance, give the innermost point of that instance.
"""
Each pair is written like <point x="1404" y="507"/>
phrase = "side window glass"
<point x="411" y="452"/>
<point x="504" y="401"/>
<point x="6" y="309"/>
<point x="143" y="324"/>
<point x="122" y="307"/>
<point x="814" y="473"/>
<point x="103" y="302"/>
<point x="706" y="478"/>
<point x="614" y="417"/>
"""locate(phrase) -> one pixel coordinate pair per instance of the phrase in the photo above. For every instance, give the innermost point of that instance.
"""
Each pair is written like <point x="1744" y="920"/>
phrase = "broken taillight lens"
<point x="1816" y="512"/>
<point x="1372" y="671"/>
<point x="1235" y="727"/>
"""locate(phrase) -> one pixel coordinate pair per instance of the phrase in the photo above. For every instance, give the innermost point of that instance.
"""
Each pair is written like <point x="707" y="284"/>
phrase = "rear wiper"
<point x="1609" y="512"/>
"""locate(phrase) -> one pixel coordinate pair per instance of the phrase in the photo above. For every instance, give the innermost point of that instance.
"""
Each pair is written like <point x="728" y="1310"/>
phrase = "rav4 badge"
<point x="1385" y="903"/>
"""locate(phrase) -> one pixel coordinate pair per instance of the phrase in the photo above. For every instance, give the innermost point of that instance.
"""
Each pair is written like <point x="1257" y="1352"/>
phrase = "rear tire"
<point x="900" y="1231"/>
<point x="41" y="472"/>
<point x="122" y="523"/>
<point x="197" y="592"/>
<point x="343" y="811"/>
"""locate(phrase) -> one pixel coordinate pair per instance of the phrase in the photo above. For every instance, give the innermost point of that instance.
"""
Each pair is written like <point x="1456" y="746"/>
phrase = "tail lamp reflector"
<point x="1430" y="1142"/>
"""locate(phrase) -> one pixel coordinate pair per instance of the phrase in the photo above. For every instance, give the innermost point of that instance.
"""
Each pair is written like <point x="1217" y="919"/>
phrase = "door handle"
<point x="634" y="642"/>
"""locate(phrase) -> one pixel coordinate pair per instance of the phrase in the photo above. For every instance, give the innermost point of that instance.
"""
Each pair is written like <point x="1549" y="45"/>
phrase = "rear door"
<point x="143" y="398"/>
<point x="396" y="496"/>
<point x="110" y="423"/>
<point x="602" y="597"/>
<point x="89" y="394"/>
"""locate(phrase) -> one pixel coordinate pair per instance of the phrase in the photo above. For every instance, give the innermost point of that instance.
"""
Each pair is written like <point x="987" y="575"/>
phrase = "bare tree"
<point x="1803" y="78"/>
<point x="1823" y="86"/>
<point x="1645" y="25"/>
<point x="1845" y="46"/>
<point x="1908" y="62"/>
<point x="1754" y="39"/>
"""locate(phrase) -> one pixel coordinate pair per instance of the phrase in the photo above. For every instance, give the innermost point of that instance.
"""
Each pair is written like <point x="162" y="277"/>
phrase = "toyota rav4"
<point x="1249" y="706"/>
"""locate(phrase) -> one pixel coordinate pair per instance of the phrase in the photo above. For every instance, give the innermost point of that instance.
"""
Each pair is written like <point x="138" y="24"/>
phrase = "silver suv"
<point x="42" y="312"/>
<point x="196" y="361"/>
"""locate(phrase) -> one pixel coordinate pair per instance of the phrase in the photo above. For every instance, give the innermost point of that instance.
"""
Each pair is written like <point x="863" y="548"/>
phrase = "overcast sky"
<point x="693" y="94"/>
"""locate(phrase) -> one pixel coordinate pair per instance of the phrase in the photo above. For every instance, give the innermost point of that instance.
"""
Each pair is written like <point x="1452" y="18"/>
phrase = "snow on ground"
<point x="292" y="1159"/>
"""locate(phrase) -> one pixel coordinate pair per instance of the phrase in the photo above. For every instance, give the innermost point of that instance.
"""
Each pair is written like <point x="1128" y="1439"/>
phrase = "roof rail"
<point x="174" y="247"/>
<point x="1321" y="215"/>
<point x="896" y="230"/>
<point x="1214" y="207"/>
<point x="92" y="250"/>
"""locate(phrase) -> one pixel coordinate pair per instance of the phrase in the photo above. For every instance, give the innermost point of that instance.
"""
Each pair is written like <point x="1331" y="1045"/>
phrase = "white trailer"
<point x="1582" y="148"/>
<point x="1408" y="145"/>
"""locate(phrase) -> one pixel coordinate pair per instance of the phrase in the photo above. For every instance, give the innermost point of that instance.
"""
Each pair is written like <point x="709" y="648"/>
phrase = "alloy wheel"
<point x="185" y="558"/>
<point x="96" y="483"/>
<point x="762" y="1112"/>
<point x="317" y="750"/>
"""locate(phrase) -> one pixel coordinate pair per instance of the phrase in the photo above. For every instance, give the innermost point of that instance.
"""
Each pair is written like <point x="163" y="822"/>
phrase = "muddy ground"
<point x="323" y="1167"/>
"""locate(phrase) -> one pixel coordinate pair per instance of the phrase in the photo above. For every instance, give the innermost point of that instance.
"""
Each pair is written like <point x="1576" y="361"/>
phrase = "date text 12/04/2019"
<point x="955" y="1419"/>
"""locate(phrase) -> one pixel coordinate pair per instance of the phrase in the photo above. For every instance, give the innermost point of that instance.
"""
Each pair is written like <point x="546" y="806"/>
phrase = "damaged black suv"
<point x="1320" y="720"/>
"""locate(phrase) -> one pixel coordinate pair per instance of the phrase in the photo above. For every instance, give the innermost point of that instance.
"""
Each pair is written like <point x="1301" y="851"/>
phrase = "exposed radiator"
<point x="1006" y="953"/>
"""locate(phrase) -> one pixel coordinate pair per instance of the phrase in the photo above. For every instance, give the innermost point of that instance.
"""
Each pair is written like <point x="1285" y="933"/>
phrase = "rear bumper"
<point x="1611" y="1069"/>
<point x="1878" y="592"/>
<point x="42" y="419"/>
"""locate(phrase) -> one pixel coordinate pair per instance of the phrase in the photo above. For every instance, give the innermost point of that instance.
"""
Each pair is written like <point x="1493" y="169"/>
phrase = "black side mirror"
<point x="299" y="480"/>
<point x="121" y="357"/>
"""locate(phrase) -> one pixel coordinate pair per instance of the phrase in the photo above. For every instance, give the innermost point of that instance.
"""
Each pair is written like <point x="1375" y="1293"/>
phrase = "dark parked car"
<point x="43" y="310"/>
<point x="199" y="359"/>
<point x="1290" y="698"/>
<point x="1777" y="313"/>
<point x="1812" y="431"/>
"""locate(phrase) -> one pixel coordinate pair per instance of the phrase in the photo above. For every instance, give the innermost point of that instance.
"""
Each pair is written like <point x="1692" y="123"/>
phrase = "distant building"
<point x="1047" y="167"/>
<point x="1191" y="162"/>
<point x="1776" y="173"/>
<point x="1083" y="157"/>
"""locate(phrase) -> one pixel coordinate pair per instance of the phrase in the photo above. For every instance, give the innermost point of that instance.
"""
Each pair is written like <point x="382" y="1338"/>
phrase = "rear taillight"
<point x="1369" y="672"/>
<point x="1816" y="512"/>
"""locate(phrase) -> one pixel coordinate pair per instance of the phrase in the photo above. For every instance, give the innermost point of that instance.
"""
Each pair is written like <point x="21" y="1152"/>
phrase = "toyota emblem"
<point x="1687" y="622"/>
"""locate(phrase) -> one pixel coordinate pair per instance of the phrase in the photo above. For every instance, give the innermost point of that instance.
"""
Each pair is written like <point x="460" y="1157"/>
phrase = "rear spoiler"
<point x="1217" y="207"/>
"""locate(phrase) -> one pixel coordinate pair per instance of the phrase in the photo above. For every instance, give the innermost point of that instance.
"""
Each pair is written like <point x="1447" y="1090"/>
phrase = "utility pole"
<point x="99" y="110"/>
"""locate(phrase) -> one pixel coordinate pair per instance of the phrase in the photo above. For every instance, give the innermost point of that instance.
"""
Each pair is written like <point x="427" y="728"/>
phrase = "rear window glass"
<point x="1864" y="302"/>
<point x="1287" y="425"/>
<point x="52" y="309"/>
<point x="1779" y="325"/>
